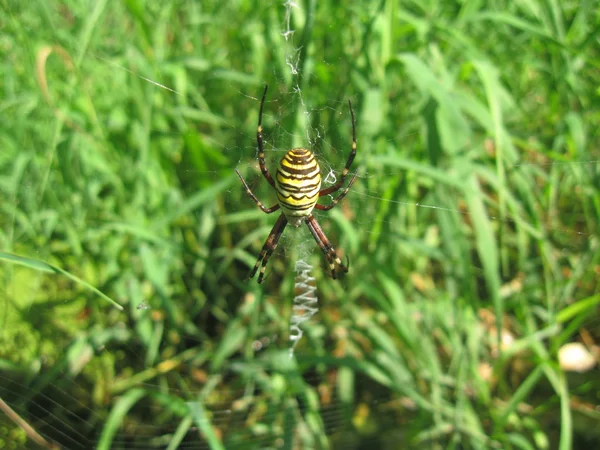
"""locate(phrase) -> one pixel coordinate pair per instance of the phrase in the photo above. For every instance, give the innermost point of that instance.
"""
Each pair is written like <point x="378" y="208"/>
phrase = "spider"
<point x="298" y="187"/>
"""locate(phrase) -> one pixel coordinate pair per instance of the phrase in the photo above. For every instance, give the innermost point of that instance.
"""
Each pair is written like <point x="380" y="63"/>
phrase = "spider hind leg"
<point x="268" y="248"/>
<point x="325" y="246"/>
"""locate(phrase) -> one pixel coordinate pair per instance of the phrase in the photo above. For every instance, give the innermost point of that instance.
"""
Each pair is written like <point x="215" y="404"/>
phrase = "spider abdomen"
<point x="298" y="182"/>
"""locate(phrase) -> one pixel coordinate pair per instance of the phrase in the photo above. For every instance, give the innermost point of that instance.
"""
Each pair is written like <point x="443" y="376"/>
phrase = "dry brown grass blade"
<point x="40" y="73"/>
<point x="31" y="433"/>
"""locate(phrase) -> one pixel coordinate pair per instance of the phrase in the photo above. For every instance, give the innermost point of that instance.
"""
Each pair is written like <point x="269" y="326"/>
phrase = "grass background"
<point x="472" y="230"/>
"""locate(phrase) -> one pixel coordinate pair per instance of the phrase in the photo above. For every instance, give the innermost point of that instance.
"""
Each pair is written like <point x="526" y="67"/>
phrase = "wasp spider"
<point x="298" y="187"/>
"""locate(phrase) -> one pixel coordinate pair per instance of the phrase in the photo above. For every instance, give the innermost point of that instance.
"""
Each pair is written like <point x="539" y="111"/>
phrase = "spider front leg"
<point x="325" y="245"/>
<point x="340" y="183"/>
<point x="256" y="200"/>
<point x="259" y="141"/>
<point x="269" y="247"/>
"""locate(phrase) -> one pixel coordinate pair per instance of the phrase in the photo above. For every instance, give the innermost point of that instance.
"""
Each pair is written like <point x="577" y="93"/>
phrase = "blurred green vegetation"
<point x="476" y="210"/>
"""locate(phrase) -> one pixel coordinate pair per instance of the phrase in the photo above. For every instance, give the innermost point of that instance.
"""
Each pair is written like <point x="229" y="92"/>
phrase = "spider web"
<point x="57" y="411"/>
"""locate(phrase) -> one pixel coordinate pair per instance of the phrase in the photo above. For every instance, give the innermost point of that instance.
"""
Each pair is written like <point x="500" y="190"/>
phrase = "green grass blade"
<point x="204" y="423"/>
<point x="117" y="416"/>
<point x="45" y="267"/>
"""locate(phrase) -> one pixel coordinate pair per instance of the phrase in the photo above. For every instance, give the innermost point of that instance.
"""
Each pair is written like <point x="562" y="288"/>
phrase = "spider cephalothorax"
<point x="298" y="187"/>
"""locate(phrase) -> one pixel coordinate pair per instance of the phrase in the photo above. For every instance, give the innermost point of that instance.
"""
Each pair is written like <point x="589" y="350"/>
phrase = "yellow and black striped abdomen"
<point x="298" y="182"/>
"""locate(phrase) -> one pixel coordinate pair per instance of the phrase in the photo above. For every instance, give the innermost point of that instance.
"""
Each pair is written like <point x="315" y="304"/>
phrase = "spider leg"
<point x="339" y="197"/>
<point x="256" y="200"/>
<point x="340" y="182"/>
<point x="259" y="140"/>
<point x="269" y="247"/>
<point x="324" y="250"/>
<point x="325" y="245"/>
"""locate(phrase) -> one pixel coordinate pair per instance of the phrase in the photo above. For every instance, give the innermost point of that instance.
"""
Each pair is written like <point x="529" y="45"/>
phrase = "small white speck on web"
<point x="298" y="91"/>
<point x="293" y="66"/>
<point x="289" y="4"/>
<point x="293" y="60"/>
<point x="287" y="34"/>
<point x="330" y="178"/>
<point x="312" y="140"/>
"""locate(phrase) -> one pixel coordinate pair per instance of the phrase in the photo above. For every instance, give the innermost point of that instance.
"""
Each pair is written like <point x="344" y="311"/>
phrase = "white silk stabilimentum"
<point x="305" y="302"/>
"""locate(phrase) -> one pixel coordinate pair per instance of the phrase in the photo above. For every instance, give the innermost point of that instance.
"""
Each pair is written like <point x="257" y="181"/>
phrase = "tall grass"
<point x="472" y="231"/>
